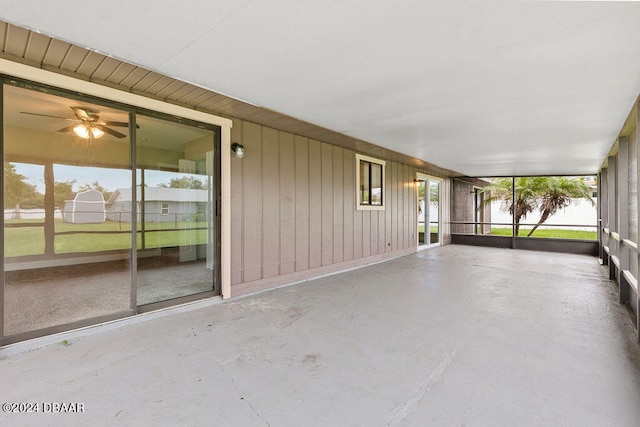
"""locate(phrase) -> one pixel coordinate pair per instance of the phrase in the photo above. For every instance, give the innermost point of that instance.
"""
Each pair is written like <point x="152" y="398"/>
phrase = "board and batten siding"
<point x="293" y="212"/>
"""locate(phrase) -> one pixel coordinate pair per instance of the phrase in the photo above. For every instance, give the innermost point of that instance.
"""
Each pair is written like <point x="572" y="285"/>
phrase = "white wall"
<point x="580" y="212"/>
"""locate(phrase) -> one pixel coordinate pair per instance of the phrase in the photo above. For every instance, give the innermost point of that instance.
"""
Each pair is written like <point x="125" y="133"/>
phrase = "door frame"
<point x="133" y="102"/>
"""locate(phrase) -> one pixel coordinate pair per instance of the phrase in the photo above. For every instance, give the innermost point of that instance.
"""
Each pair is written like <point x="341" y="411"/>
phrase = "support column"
<point x="622" y="199"/>
<point x="603" y="200"/>
<point x="49" y="210"/>
<point x="611" y="195"/>
<point x="622" y="219"/>
<point x="612" y="215"/>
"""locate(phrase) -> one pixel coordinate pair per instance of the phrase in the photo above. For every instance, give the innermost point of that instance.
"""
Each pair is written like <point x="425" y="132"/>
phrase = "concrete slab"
<point x="451" y="336"/>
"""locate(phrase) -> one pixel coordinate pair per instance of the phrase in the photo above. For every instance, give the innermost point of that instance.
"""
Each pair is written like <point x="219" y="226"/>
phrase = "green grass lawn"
<point x="433" y="229"/>
<point x="98" y="237"/>
<point x="551" y="233"/>
<point x="112" y="236"/>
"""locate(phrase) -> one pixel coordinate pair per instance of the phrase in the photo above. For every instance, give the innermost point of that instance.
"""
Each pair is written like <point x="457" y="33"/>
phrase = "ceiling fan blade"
<point x="81" y="113"/>
<point x="46" y="115"/>
<point x="110" y="131"/>
<point x="118" y="124"/>
<point x="67" y="128"/>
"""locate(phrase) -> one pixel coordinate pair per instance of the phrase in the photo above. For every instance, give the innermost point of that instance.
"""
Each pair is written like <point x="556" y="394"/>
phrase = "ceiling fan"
<point x="90" y="125"/>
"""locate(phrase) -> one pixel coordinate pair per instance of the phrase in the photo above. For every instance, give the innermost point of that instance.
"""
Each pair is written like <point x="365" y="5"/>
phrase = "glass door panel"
<point x="428" y="190"/>
<point x="66" y="259"/>
<point x="423" y="213"/>
<point x="434" y="213"/>
<point x="176" y="210"/>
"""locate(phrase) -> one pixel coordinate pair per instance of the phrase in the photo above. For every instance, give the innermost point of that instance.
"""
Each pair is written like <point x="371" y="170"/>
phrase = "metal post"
<point x="475" y="211"/>
<point x="599" y="216"/>
<point x="133" y="257"/>
<point x="513" y="214"/>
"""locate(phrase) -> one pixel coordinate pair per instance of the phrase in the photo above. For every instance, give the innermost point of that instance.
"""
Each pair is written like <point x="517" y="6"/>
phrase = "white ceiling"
<point x="479" y="87"/>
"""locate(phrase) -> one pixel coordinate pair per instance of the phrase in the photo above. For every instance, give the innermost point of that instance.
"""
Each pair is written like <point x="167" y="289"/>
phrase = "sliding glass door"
<point x="428" y="210"/>
<point x="176" y="200"/>
<point x="108" y="211"/>
<point x="64" y="260"/>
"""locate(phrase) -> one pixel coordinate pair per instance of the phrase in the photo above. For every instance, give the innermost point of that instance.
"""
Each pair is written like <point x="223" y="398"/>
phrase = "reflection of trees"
<point x="185" y="182"/>
<point x="433" y="194"/>
<point x="17" y="191"/>
<point x="63" y="191"/>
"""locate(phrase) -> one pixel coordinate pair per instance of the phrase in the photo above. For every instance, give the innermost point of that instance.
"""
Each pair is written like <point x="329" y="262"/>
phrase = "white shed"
<point x="86" y="208"/>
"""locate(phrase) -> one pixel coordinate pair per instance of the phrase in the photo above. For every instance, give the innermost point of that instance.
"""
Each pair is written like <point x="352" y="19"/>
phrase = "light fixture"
<point x="97" y="133"/>
<point x="238" y="149"/>
<point x="85" y="131"/>
<point x="81" y="131"/>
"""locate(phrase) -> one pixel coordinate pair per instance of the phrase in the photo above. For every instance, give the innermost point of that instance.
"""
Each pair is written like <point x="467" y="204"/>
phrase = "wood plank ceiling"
<point x="38" y="50"/>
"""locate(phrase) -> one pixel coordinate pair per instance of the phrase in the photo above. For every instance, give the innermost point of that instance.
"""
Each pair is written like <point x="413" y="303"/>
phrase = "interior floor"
<point x="42" y="298"/>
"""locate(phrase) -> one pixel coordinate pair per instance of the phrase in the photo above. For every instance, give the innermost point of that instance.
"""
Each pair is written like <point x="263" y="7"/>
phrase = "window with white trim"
<point x="164" y="209"/>
<point x="369" y="183"/>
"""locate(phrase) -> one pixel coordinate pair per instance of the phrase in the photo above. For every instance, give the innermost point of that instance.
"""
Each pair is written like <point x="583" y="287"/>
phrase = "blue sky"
<point x="110" y="179"/>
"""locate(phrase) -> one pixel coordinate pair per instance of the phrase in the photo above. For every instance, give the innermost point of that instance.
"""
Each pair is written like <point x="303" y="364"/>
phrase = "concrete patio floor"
<point x="451" y="336"/>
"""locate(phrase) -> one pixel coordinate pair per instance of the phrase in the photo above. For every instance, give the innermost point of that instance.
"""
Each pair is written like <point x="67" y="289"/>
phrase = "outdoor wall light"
<point x="238" y="149"/>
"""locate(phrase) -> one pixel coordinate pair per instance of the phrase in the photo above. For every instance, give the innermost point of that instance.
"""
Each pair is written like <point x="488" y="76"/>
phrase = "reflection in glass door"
<point x="176" y="210"/>
<point x="105" y="210"/>
<point x="428" y="210"/>
<point x="65" y="260"/>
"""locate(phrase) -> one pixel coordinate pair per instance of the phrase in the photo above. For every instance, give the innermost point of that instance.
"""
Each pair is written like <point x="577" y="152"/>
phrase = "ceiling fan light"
<point x="81" y="131"/>
<point x="97" y="133"/>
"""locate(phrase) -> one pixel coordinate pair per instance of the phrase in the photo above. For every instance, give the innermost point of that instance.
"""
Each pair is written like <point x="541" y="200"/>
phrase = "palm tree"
<point x="501" y="189"/>
<point x="557" y="193"/>
<point x="546" y="194"/>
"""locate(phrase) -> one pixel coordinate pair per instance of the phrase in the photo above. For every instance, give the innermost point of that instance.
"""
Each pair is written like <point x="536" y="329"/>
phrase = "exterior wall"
<point x="293" y="210"/>
<point x="292" y="204"/>
<point x="581" y="214"/>
<point x="462" y="208"/>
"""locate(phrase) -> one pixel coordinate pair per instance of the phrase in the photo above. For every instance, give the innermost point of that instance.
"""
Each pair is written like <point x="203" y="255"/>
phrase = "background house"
<point x="159" y="204"/>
